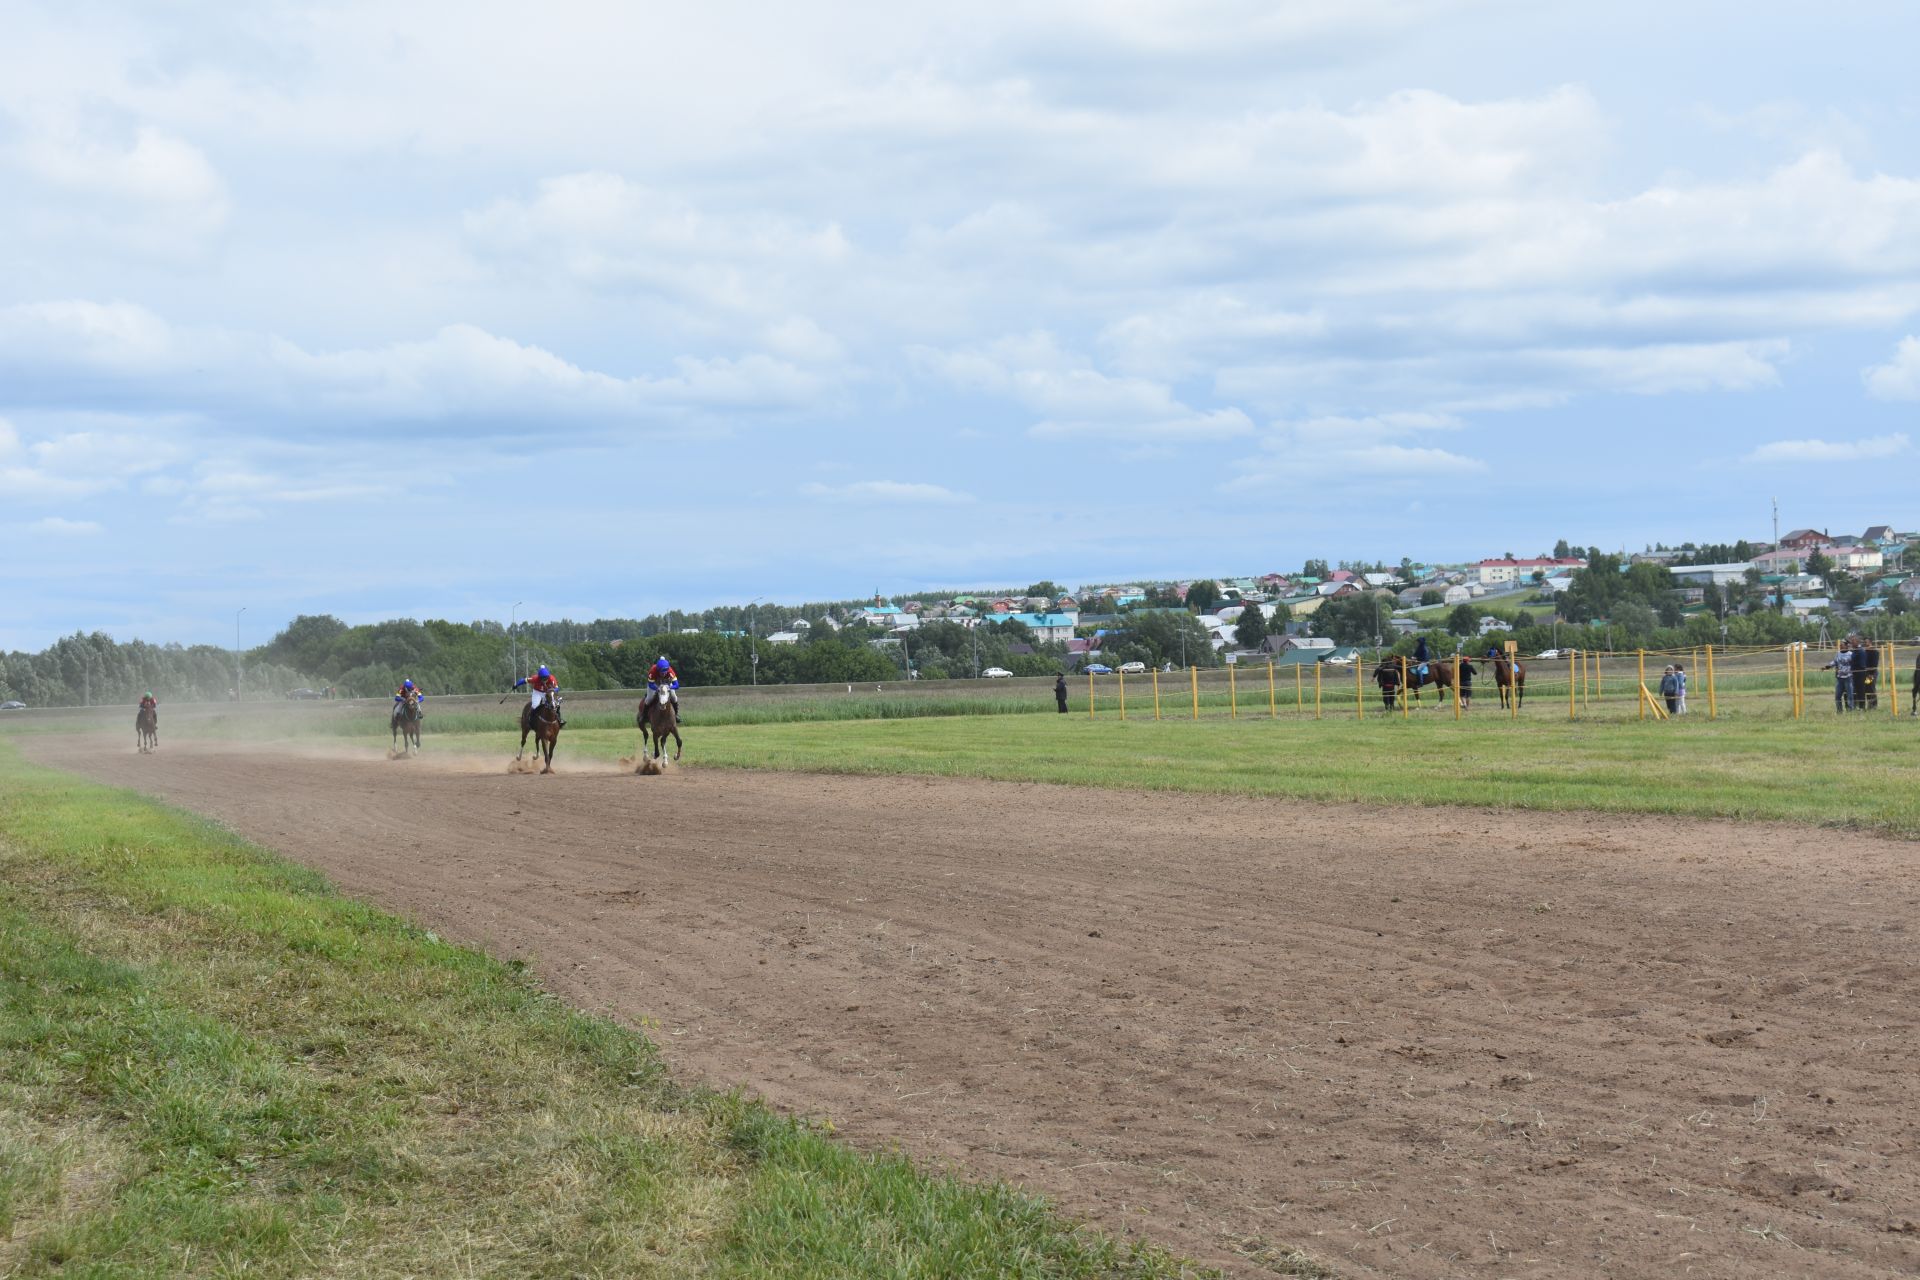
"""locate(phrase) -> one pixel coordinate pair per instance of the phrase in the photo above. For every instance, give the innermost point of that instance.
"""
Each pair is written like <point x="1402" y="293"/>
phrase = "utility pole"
<point x="239" y="673"/>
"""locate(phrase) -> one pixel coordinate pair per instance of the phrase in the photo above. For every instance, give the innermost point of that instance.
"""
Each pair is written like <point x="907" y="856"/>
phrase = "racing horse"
<point x="406" y="721"/>
<point x="657" y="720"/>
<point x="146" y="729"/>
<point x="1511" y="675"/>
<point x="543" y="722"/>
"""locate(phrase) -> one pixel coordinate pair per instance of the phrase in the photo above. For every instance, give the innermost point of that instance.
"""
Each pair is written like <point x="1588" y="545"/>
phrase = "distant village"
<point x="1807" y="574"/>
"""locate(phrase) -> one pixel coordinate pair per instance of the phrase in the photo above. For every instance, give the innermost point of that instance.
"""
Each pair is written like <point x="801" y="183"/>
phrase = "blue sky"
<point x="425" y="309"/>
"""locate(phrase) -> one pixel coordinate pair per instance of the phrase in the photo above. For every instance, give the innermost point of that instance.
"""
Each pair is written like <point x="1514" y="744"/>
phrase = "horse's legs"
<point x="676" y="740"/>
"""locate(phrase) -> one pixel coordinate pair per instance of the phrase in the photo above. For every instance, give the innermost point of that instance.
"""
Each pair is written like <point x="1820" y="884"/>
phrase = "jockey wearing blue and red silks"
<point x="541" y="686"/>
<point x="407" y="687"/>
<point x="663" y="680"/>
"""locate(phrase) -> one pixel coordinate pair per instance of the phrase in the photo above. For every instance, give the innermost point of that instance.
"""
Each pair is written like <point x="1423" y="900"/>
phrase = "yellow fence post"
<point x="1513" y="679"/>
<point x="1359" y="699"/>
<point x="1456" y="684"/>
<point x="1892" y="680"/>
<point x="1089" y="695"/>
<point x="1406" y="689"/>
<point x="1642" y="654"/>
<point x="1713" y="705"/>
<point x="1273" y="702"/>
<point x="1570" y="684"/>
<point x="1156" y="693"/>
<point x="1599" y="674"/>
<point x="1316" y="691"/>
<point x="1233" y="692"/>
<point x="1123" y="694"/>
<point x="1195" y="673"/>
<point x="1299" y="689"/>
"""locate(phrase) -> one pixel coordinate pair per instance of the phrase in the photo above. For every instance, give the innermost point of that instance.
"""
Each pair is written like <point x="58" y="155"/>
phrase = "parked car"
<point x="13" y="706"/>
<point x="996" y="673"/>
<point x="1133" y="668"/>
<point x="302" y="695"/>
<point x="1097" y="669"/>
<point x="1549" y="653"/>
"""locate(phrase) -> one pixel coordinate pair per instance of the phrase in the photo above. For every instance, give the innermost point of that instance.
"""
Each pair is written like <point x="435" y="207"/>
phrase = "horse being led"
<point x="543" y="722"/>
<point x="1393" y="672"/>
<point x="146" y="729"/>
<point x="658" y="719"/>
<point x="1511" y="676"/>
<point x="406" y="721"/>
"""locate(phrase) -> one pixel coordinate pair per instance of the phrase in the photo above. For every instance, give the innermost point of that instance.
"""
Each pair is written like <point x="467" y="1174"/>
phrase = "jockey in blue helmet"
<point x="541" y="687"/>
<point x="664" y="681"/>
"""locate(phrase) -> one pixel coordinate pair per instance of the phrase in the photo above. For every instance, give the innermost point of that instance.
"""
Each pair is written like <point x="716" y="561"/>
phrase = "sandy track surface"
<point x="1414" y="1043"/>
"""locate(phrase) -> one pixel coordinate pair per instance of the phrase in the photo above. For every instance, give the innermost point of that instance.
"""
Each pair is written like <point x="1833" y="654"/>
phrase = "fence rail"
<point x="1782" y="682"/>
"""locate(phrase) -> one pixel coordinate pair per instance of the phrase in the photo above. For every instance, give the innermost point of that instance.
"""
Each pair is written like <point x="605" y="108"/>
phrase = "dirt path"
<point x="1418" y="1043"/>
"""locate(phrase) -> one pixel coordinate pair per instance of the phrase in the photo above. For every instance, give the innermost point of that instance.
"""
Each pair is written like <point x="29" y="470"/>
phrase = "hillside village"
<point x="1810" y="576"/>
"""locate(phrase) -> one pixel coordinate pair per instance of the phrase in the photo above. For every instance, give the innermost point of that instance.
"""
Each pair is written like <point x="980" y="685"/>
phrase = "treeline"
<point x="90" y="670"/>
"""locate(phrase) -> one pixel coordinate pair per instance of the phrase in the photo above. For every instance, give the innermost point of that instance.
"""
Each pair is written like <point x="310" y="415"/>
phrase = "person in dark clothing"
<point x="1670" y="690"/>
<point x="1060" y="693"/>
<point x="1866" y="675"/>
<point x="1420" y="658"/>
<point x="1466" y="685"/>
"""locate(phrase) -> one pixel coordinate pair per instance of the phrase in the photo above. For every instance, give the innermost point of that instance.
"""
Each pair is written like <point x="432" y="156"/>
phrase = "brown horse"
<point x="1511" y="676"/>
<point x="406" y="721"/>
<point x="656" y="721"/>
<point x="1390" y="674"/>
<point x="146" y="729"/>
<point x="544" y="724"/>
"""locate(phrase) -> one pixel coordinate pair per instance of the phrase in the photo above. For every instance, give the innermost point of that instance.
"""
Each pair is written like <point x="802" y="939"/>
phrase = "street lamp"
<point x="239" y="675"/>
<point x="513" y="639"/>
<point x="753" y="640"/>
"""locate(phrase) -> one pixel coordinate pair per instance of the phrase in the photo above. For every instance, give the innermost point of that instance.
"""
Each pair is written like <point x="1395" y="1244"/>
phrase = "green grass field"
<point x="213" y="1065"/>
<point x="1853" y="771"/>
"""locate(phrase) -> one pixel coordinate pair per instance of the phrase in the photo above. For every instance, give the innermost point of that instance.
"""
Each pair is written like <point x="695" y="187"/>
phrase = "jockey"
<point x="406" y="687"/>
<point x="540" y="686"/>
<point x="1421" y="657"/>
<point x="663" y="680"/>
<point x="148" y="702"/>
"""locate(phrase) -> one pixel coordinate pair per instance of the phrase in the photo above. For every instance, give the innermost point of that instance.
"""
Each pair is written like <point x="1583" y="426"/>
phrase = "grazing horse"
<point x="406" y="721"/>
<point x="1511" y="676"/>
<point x="543" y="723"/>
<point x="146" y="729"/>
<point x="657" y="720"/>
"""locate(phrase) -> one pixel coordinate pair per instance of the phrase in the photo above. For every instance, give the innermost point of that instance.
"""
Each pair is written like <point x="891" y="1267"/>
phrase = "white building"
<point x="1496" y="572"/>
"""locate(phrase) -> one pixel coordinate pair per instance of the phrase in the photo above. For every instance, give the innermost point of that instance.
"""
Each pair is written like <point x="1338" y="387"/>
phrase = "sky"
<point x="598" y="309"/>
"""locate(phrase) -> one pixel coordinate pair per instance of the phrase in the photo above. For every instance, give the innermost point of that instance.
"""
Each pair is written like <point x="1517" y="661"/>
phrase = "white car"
<point x="1548" y="653"/>
<point x="996" y="673"/>
<point x="1133" y="668"/>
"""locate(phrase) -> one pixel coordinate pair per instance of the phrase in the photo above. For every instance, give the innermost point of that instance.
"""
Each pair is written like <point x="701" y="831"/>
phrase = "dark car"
<point x="1097" y="669"/>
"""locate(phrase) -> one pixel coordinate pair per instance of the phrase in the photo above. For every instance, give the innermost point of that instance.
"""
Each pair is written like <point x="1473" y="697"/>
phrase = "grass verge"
<point x="211" y="1064"/>
<point x="1853" y="771"/>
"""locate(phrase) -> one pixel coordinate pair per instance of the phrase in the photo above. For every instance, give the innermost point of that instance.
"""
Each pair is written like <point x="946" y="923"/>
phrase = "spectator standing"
<point x="1866" y="675"/>
<point x="1680" y="684"/>
<point x="1670" y="689"/>
<point x="1466" y="685"/>
<point x="1060" y="693"/>
<point x="1842" y="668"/>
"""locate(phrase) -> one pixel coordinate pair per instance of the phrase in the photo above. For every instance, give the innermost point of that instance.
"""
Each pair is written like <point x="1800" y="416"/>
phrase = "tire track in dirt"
<point x="1412" y="1042"/>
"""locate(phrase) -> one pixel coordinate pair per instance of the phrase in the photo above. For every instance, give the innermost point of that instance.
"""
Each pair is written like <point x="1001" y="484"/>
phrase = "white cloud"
<point x="60" y="527"/>
<point x="1316" y="458"/>
<point x="887" y="491"/>
<point x="1898" y="378"/>
<point x="1870" y="449"/>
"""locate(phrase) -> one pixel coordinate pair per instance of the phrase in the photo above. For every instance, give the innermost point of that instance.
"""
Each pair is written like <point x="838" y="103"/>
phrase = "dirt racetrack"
<point x="1410" y="1042"/>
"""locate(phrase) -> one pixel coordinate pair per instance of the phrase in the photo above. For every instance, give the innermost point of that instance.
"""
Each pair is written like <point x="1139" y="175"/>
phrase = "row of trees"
<point x="88" y="670"/>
